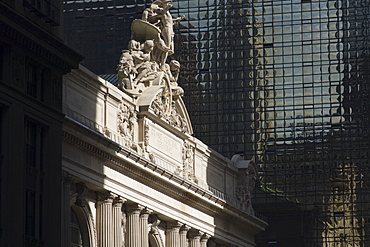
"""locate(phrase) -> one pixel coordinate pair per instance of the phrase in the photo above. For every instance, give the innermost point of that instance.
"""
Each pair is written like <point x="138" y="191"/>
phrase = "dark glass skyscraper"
<point x="216" y="49"/>
<point x="100" y="30"/>
<point x="291" y="79"/>
<point x="286" y="83"/>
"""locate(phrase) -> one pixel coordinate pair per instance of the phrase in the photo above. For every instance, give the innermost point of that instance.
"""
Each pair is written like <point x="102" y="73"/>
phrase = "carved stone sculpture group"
<point x="145" y="62"/>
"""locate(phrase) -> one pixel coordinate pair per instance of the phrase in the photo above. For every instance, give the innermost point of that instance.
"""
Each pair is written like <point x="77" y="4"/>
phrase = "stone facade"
<point x="33" y="59"/>
<point x="135" y="176"/>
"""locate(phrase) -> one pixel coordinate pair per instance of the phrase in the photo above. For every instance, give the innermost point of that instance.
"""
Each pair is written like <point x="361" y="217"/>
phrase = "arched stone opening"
<point x="84" y="222"/>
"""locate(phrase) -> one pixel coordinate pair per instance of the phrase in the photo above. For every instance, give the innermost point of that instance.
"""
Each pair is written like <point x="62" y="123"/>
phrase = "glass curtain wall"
<point x="286" y="83"/>
<point x="213" y="45"/>
<point x="100" y="29"/>
<point x="311" y="121"/>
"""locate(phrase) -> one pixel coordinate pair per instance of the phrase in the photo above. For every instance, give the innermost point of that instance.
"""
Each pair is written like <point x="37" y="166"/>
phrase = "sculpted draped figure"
<point x="152" y="41"/>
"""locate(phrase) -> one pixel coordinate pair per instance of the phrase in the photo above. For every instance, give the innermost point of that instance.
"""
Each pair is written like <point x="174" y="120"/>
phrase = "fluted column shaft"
<point x="144" y="227"/>
<point x="204" y="239"/>
<point x="117" y="222"/>
<point x="133" y="238"/>
<point x="104" y="221"/>
<point x="183" y="236"/>
<point x="194" y="238"/>
<point x="173" y="234"/>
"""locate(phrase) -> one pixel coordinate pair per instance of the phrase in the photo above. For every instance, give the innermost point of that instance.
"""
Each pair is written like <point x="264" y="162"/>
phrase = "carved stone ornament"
<point x="146" y="62"/>
<point x="169" y="114"/>
<point x="188" y="162"/>
<point x="176" y="120"/>
<point x="147" y="154"/>
<point x="160" y="104"/>
<point x="126" y="119"/>
<point x="245" y="185"/>
<point x="146" y="135"/>
<point x="82" y="191"/>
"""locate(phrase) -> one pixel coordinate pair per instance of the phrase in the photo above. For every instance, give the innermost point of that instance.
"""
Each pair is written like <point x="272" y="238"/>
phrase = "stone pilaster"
<point x="183" y="236"/>
<point x="204" y="239"/>
<point x="117" y="222"/>
<point x="104" y="220"/>
<point x="194" y="238"/>
<point x="173" y="234"/>
<point x="133" y="238"/>
<point x="66" y="211"/>
<point x="144" y="232"/>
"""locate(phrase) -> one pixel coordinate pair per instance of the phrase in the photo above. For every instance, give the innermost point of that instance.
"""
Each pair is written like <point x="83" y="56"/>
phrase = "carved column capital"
<point x="184" y="228"/>
<point x="193" y="233"/>
<point x="104" y="219"/>
<point x="134" y="224"/>
<point x="194" y="236"/>
<point x="118" y="201"/>
<point x="183" y="233"/>
<point x="173" y="225"/>
<point x="204" y="239"/>
<point x="146" y="211"/>
<point x="144" y="216"/>
<point x="105" y="197"/>
<point x="133" y="208"/>
<point x="173" y="233"/>
<point x="117" y="221"/>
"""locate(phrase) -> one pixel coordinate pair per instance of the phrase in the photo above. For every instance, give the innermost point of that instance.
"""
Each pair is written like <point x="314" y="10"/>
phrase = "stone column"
<point x="173" y="234"/>
<point x="194" y="238"/>
<point x="204" y="239"/>
<point x="144" y="232"/>
<point x="183" y="236"/>
<point x="133" y="238"/>
<point x="104" y="221"/>
<point x="117" y="222"/>
<point x="66" y="210"/>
